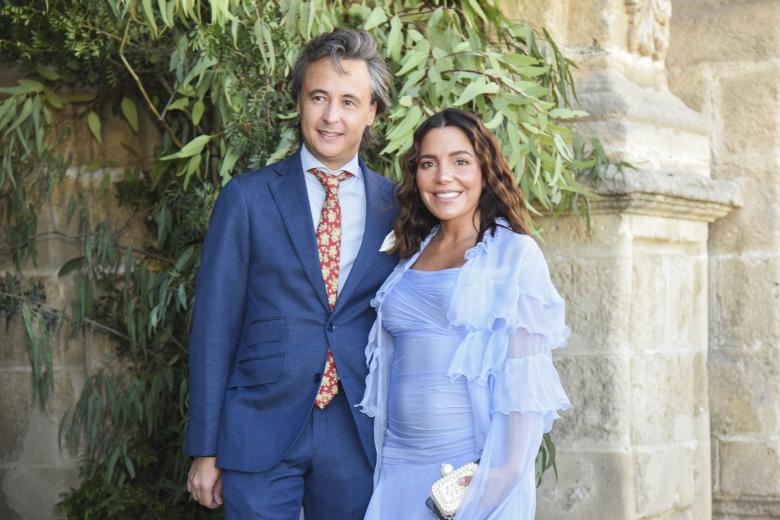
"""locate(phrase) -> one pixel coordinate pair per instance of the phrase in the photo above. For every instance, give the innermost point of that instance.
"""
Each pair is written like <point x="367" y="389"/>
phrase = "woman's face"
<point x="449" y="176"/>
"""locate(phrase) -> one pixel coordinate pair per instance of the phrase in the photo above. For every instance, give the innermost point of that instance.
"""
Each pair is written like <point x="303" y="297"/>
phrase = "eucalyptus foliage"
<point x="211" y="76"/>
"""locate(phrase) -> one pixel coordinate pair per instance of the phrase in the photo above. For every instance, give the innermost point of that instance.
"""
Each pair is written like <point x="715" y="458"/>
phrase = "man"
<point x="282" y="315"/>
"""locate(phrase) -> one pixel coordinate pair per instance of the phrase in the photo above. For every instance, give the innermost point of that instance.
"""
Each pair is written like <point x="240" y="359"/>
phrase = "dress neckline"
<point x="449" y="269"/>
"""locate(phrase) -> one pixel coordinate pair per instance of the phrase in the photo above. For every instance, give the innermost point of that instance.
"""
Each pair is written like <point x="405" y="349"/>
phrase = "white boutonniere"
<point x="387" y="243"/>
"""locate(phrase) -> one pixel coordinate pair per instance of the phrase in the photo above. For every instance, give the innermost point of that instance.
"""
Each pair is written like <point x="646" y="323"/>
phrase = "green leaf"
<point x="47" y="73"/>
<point x="130" y="112"/>
<point x="179" y="104"/>
<point x="71" y="265"/>
<point x="197" y="112"/>
<point x="567" y="113"/>
<point x="477" y="9"/>
<point x="194" y="147"/>
<point x="395" y="39"/>
<point x="407" y="125"/>
<point x="231" y="156"/>
<point x="413" y="60"/>
<point x="476" y="88"/>
<point x="149" y="13"/>
<point x="93" y="122"/>
<point x="376" y="18"/>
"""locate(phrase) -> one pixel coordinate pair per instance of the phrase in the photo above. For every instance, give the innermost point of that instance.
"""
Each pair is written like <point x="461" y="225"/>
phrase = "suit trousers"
<point x="325" y="471"/>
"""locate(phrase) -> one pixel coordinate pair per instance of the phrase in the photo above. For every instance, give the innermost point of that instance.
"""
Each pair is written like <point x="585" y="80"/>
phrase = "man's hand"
<point x="205" y="482"/>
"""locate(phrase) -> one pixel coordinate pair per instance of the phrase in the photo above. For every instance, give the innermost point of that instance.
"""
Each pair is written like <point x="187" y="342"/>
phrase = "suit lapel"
<point x="292" y="201"/>
<point x="377" y="222"/>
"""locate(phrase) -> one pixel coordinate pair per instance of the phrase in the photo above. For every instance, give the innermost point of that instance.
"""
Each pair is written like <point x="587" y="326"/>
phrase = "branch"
<point x="143" y="90"/>
<point x="88" y="321"/>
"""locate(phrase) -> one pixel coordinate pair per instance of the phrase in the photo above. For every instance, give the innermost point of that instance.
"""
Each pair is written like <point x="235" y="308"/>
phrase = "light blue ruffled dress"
<point x="460" y="369"/>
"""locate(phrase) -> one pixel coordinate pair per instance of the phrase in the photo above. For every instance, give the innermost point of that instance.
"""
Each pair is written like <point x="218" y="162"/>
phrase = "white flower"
<point x="387" y="243"/>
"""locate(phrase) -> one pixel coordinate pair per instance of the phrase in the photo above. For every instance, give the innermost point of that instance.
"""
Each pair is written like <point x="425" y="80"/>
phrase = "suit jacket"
<point x="261" y="325"/>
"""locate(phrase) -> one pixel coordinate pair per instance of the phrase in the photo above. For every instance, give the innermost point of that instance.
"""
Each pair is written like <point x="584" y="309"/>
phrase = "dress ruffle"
<point x="530" y="385"/>
<point x="498" y="296"/>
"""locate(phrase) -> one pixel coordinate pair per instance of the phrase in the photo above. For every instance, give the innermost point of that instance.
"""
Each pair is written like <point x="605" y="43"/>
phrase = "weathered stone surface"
<point x="643" y="125"/>
<point x="724" y="31"/>
<point x="749" y="468"/>
<point x="13" y="349"/>
<point x="598" y="387"/>
<point x="6" y="512"/>
<point x="749" y="229"/>
<point x="591" y="486"/>
<point x="664" y="479"/>
<point x="744" y="295"/>
<point x="16" y="392"/>
<point x="694" y="85"/>
<point x="661" y="408"/>
<point x="598" y="297"/>
<point x="668" y="295"/>
<point x="750" y="110"/>
<point x="745" y="390"/>
<point x="27" y="497"/>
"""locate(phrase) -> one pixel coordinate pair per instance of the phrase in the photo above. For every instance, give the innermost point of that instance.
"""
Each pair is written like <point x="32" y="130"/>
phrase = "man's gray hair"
<point x="347" y="44"/>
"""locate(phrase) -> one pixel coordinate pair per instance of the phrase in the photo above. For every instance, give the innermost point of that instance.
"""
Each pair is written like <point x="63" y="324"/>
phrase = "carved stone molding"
<point x="648" y="30"/>
<point x="683" y="196"/>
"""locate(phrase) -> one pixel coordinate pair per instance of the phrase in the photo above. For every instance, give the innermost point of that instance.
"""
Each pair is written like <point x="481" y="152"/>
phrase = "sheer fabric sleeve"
<point x="514" y="369"/>
<point x="526" y="393"/>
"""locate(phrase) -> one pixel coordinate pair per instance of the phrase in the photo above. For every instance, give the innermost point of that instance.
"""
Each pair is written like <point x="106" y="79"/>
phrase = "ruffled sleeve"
<point x="513" y="318"/>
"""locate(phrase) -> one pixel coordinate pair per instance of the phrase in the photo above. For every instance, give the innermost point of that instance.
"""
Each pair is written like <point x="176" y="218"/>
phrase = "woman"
<point x="459" y="357"/>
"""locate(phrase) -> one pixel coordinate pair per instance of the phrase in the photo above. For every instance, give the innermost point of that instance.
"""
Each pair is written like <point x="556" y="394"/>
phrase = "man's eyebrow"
<point x="316" y="91"/>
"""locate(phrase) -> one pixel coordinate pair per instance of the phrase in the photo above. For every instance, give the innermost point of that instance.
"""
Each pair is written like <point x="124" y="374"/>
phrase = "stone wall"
<point x="724" y="61"/>
<point x="34" y="471"/>
<point x="673" y="366"/>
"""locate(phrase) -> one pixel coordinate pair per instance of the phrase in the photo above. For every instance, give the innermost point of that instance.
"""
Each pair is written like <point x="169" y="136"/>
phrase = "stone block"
<point x="748" y="228"/>
<point x="5" y="508"/>
<point x="13" y="346"/>
<point x="664" y="480"/>
<point x="598" y="387"/>
<point x="743" y="301"/>
<point x="706" y="31"/>
<point x="661" y="408"/>
<point x="597" y="23"/>
<point x="17" y="396"/>
<point x="590" y="485"/>
<point x="597" y="302"/>
<point x="693" y="84"/>
<point x="749" y="111"/>
<point x="550" y="14"/>
<point x="14" y="352"/>
<point x="745" y="391"/>
<point x="668" y="299"/>
<point x="28" y="434"/>
<point x="32" y="492"/>
<point x="702" y="472"/>
<point x="749" y="468"/>
<point x="568" y="237"/>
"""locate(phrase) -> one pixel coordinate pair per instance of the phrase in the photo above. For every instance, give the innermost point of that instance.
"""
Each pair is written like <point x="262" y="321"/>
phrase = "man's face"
<point x="335" y="107"/>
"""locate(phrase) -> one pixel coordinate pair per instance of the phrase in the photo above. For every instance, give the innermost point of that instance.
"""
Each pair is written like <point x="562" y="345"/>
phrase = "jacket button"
<point x="331" y="327"/>
<point x="317" y="377"/>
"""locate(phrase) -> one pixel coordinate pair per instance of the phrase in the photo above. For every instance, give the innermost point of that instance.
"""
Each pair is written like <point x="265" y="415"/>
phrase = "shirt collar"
<point x="308" y="161"/>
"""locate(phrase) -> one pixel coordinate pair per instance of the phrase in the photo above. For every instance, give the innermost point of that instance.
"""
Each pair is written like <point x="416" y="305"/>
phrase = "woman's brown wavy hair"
<point x="500" y="195"/>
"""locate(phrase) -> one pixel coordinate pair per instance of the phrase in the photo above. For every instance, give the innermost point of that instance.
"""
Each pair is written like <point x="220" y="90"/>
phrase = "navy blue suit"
<point x="261" y="325"/>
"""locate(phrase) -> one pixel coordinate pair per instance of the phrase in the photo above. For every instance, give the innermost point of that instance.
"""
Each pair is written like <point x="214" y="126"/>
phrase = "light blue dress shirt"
<point x="352" y="199"/>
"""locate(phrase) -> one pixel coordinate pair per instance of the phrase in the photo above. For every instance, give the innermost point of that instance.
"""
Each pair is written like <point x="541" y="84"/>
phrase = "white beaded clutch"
<point x="447" y="493"/>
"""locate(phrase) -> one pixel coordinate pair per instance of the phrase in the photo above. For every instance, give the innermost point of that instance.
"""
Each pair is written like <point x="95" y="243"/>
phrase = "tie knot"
<point x="331" y="182"/>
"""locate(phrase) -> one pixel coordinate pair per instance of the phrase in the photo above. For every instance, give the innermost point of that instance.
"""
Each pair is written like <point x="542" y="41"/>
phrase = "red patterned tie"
<point x="329" y="248"/>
